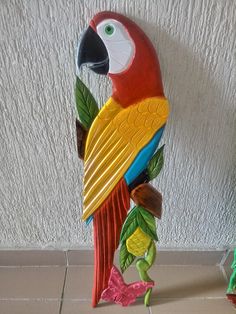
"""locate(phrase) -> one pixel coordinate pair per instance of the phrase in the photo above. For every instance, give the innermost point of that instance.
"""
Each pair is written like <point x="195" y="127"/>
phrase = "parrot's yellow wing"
<point x="115" y="138"/>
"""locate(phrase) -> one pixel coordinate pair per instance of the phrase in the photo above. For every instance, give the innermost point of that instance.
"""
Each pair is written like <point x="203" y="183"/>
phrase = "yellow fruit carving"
<point x="138" y="243"/>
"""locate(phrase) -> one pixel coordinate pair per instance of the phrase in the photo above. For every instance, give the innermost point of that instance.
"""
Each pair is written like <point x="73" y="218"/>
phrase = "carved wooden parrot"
<point x="126" y="132"/>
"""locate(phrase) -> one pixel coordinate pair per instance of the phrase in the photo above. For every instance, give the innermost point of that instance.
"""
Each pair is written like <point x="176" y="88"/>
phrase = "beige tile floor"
<point x="67" y="290"/>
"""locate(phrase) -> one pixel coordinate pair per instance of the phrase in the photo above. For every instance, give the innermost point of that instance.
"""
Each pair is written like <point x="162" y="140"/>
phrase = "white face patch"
<point x="119" y="45"/>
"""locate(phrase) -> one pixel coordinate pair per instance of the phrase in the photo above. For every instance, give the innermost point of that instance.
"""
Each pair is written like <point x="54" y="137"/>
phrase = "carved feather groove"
<point x="107" y="225"/>
<point x="103" y="169"/>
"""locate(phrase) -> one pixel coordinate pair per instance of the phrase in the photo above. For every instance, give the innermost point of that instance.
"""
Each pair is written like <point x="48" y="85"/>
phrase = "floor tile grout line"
<point x="32" y="266"/>
<point x="30" y="299"/>
<point x="63" y="289"/>
<point x="64" y="284"/>
<point x="156" y="265"/>
<point x="89" y="300"/>
<point x="62" y="294"/>
<point x="67" y="259"/>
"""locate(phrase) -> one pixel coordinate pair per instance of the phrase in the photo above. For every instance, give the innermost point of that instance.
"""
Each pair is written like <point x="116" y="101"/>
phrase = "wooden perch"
<point x="148" y="197"/>
<point x="81" y="134"/>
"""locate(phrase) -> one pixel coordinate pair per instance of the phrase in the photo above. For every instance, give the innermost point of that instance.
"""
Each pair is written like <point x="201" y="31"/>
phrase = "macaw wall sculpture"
<point x="119" y="146"/>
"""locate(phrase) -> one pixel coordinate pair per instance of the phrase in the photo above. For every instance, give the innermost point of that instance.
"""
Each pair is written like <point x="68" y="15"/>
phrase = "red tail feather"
<point x="107" y="224"/>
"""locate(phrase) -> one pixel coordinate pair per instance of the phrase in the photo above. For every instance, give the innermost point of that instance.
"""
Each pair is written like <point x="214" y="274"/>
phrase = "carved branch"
<point x="81" y="135"/>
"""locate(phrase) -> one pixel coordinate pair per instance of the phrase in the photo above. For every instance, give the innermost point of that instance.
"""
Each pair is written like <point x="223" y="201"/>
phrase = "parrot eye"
<point x="109" y="29"/>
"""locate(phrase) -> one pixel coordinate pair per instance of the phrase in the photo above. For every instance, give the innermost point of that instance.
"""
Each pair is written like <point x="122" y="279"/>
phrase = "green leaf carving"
<point x="129" y="226"/>
<point x="156" y="163"/>
<point x="87" y="108"/>
<point x="147" y="223"/>
<point x="126" y="258"/>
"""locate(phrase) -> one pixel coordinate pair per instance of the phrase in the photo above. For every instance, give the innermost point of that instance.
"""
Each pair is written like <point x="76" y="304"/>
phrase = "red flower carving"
<point x="120" y="292"/>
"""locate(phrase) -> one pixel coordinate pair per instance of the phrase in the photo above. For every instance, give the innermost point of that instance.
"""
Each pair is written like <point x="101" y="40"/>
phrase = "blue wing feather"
<point x="141" y="161"/>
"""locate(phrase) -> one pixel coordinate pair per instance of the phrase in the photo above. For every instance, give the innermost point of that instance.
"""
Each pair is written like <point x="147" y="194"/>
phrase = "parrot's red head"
<point x="115" y="45"/>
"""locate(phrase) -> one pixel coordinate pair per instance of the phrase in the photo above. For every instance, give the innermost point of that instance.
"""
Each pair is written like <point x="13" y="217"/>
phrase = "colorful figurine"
<point x="231" y="291"/>
<point x="119" y="147"/>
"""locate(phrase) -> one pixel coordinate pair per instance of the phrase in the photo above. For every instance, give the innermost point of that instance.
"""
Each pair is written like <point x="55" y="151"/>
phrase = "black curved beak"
<point x="93" y="52"/>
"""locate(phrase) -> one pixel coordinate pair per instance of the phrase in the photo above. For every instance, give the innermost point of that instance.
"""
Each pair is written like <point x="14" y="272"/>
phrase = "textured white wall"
<point x="40" y="174"/>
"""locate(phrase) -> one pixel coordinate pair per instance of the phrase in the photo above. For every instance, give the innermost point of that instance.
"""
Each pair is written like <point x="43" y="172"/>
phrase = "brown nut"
<point x="148" y="197"/>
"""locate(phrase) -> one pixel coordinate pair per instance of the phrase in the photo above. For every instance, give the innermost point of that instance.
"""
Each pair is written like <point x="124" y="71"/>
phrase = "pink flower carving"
<point x="120" y="292"/>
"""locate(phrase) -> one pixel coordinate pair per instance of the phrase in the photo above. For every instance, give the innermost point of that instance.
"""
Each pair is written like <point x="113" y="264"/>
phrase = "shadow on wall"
<point x="200" y="137"/>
